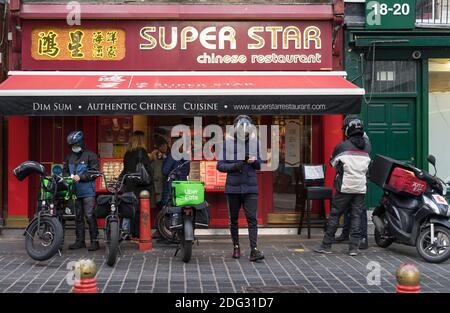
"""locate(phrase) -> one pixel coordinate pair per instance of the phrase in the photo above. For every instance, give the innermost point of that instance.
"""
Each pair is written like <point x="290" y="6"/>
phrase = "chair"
<point x="313" y="177"/>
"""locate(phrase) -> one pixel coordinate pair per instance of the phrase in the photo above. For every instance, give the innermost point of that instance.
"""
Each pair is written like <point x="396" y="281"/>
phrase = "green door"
<point x="391" y="126"/>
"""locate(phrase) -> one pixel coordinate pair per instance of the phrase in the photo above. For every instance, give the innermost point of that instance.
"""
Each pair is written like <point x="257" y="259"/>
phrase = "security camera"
<point x="416" y="55"/>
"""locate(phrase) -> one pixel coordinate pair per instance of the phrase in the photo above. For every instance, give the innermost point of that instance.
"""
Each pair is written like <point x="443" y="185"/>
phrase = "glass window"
<point x="390" y="76"/>
<point x="295" y="149"/>
<point x="439" y="114"/>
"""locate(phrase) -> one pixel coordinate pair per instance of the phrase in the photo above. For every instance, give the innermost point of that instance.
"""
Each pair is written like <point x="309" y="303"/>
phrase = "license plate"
<point x="440" y="199"/>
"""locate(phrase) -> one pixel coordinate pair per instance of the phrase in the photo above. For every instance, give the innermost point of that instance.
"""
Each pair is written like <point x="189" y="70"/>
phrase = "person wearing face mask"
<point x="76" y="165"/>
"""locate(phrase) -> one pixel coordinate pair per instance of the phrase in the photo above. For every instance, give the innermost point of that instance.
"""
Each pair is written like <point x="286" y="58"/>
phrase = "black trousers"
<point x="85" y="208"/>
<point x="343" y="203"/>
<point x="250" y="203"/>
<point x="347" y="222"/>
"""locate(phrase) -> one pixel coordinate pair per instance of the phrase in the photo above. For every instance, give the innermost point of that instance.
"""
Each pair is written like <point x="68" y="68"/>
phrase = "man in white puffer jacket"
<point x="351" y="159"/>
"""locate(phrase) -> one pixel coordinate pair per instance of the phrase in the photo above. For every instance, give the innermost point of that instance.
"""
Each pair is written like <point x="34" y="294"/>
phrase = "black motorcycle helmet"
<point x="353" y="126"/>
<point x="76" y="138"/>
<point x="243" y="125"/>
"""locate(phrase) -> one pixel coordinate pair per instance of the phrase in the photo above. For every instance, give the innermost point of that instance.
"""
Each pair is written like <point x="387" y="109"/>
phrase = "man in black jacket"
<point x="351" y="158"/>
<point x="77" y="165"/>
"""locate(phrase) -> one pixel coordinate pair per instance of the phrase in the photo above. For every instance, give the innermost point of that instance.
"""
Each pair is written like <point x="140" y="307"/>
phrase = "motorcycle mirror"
<point x="432" y="160"/>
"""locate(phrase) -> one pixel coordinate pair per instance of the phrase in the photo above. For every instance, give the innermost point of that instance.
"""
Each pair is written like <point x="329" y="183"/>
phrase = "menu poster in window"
<point x="211" y="174"/>
<point x="292" y="143"/>
<point x="221" y="179"/>
<point x="194" y="173"/>
<point x="115" y="129"/>
<point x="105" y="149"/>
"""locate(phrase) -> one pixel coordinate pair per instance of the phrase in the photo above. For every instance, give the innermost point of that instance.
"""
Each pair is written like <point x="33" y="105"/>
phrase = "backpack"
<point x="140" y="168"/>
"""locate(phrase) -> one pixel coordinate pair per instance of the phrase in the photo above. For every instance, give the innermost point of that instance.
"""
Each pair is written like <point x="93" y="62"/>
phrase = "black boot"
<point x="256" y="255"/>
<point x="236" y="252"/>
<point x="364" y="244"/>
<point x="94" y="246"/>
<point x="77" y="245"/>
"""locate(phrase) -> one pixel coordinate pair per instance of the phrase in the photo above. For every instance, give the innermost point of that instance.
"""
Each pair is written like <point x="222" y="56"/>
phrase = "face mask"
<point x="76" y="149"/>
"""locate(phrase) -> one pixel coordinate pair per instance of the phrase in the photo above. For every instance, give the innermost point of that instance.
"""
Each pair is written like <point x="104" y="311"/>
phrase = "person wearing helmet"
<point x="345" y="234"/>
<point x="77" y="164"/>
<point x="240" y="160"/>
<point x="351" y="159"/>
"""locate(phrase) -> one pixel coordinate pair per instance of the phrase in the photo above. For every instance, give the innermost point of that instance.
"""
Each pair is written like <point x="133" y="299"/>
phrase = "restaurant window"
<point x="439" y="114"/>
<point x="390" y="76"/>
<point x="295" y="149"/>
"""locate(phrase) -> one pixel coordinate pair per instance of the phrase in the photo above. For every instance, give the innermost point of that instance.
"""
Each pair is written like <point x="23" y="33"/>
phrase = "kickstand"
<point x="59" y="252"/>
<point x="176" y="251"/>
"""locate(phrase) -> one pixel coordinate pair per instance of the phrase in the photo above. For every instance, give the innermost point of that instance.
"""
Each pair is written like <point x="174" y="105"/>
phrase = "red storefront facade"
<point x="214" y="41"/>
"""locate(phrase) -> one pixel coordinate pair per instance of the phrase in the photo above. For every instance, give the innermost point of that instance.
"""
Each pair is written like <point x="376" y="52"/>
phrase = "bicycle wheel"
<point x="112" y="242"/>
<point x="43" y="241"/>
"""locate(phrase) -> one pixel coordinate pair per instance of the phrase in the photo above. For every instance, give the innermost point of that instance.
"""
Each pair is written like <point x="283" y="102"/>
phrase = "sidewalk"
<point x="290" y="266"/>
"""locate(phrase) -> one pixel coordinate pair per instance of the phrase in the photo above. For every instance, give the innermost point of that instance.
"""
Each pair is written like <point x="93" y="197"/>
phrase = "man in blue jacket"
<point x="242" y="184"/>
<point x="77" y="165"/>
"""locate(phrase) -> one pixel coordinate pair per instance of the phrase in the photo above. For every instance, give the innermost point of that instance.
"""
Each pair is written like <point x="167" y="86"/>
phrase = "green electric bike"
<point x="44" y="235"/>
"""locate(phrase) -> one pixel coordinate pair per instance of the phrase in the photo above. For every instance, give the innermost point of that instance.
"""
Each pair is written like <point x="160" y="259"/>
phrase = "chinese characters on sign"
<point x="78" y="44"/>
<point x="166" y="45"/>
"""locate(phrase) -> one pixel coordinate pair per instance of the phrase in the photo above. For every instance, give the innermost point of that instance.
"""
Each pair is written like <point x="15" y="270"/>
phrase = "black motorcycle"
<point x="44" y="235"/>
<point x="178" y="223"/>
<point x="412" y="210"/>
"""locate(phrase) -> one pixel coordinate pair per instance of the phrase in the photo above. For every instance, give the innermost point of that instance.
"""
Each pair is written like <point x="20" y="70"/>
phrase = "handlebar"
<point x="113" y="186"/>
<point x="170" y="176"/>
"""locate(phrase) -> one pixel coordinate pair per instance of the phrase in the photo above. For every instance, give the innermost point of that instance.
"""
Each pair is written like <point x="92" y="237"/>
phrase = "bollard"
<point x="85" y="272"/>
<point x="408" y="279"/>
<point x="145" y="236"/>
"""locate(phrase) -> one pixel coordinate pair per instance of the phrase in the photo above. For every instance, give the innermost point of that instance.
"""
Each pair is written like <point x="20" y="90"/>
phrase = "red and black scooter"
<point x="412" y="210"/>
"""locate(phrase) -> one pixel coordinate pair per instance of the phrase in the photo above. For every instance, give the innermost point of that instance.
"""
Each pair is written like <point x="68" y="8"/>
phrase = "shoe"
<point x="256" y="255"/>
<point x="236" y="252"/>
<point x="341" y="239"/>
<point x="322" y="249"/>
<point x="94" y="246"/>
<point x="77" y="245"/>
<point x="364" y="244"/>
<point x="353" y="252"/>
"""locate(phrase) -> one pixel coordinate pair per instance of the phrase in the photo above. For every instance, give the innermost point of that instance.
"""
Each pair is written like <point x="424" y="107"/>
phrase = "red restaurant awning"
<point x="178" y="93"/>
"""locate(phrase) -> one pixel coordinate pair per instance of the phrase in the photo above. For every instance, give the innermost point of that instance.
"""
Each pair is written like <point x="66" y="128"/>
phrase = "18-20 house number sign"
<point x="390" y="14"/>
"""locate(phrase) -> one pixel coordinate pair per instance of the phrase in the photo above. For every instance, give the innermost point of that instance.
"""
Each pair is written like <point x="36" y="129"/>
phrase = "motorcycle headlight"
<point x="432" y="205"/>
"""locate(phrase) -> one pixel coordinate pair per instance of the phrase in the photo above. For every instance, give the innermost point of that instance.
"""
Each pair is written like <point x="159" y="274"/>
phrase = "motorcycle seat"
<point x="406" y="203"/>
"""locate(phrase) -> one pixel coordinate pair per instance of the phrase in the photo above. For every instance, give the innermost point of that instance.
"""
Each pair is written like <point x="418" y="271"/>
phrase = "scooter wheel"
<point x="382" y="242"/>
<point x="434" y="253"/>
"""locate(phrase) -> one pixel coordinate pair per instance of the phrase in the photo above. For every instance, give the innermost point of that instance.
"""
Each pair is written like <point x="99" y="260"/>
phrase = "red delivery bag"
<point x="404" y="181"/>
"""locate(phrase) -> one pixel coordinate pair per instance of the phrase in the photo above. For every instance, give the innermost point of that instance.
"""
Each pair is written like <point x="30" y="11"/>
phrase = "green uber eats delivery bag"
<point x="188" y="192"/>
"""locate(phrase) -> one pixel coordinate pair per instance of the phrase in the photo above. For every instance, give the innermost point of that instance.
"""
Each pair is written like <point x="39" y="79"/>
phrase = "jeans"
<point x="250" y="203"/>
<point x="346" y="229"/>
<point x="85" y="209"/>
<point x="343" y="203"/>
